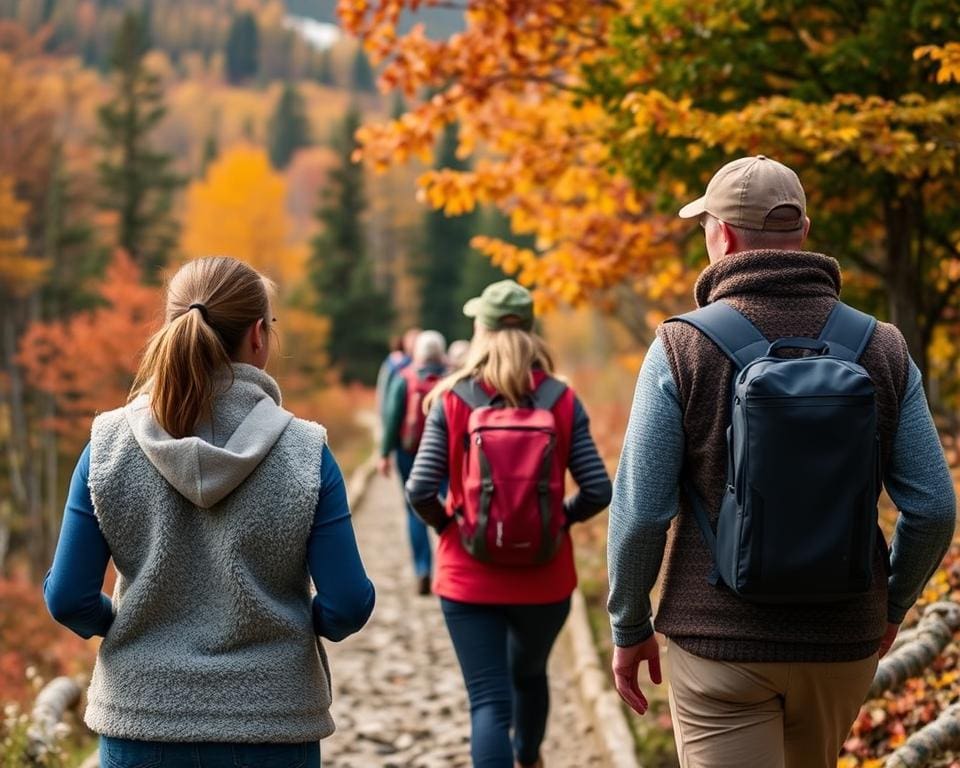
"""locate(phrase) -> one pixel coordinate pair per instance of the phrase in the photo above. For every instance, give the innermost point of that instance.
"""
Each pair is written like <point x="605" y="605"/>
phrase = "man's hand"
<point x="626" y="667"/>
<point x="888" y="637"/>
<point x="383" y="466"/>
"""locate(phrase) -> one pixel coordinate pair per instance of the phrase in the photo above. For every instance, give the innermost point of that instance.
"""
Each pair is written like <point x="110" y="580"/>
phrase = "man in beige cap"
<point x="755" y="202"/>
<point x="759" y="684"/>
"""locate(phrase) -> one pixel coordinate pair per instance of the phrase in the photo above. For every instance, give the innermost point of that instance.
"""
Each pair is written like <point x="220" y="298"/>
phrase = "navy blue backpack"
<point x="798" y="518"/>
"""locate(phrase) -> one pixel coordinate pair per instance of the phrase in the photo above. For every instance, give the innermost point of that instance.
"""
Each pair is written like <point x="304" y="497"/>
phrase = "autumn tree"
<point x="239" y="210"/>
<point x="833" y="90"/>
<point x="243" y="48"/>
<point x="598" y="119"/>
<point x="511" y="81"/>
<point x="28" y="122"/>
<point x="289" y="127"/>
<point x="340" y="270"/>
<point x="87" y="361"/>
<point x="136" y="180"/>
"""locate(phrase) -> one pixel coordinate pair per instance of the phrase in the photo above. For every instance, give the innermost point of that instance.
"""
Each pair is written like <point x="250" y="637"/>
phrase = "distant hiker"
<point x="779" y="591"/>
<point x="506" y="432"/>
<point x="403" y="420"/>
<point x="218" y="508"/>
<point x="401" y="353"/>
<point x="457" y="354"/>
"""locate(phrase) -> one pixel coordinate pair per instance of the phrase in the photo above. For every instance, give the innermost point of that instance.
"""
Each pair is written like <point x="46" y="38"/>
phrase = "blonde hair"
<point x="503" y="359"/>
<point x="179" y="365"/>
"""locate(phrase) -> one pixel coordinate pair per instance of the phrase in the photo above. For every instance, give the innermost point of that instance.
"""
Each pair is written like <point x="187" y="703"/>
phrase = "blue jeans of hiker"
<point x="126" y="753"/>
<point x="503" y="652"/>
<point x="419" y="538"/>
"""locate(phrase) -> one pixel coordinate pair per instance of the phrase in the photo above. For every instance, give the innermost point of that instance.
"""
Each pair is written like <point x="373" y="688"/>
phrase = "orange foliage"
<point x="239" y="210"/>
<point x="29" y="637"/>
<point x="20" y="273"/>
<point x="27" y="118"/>
<point x="87" y="362"/>
<point x="511" y="80"/>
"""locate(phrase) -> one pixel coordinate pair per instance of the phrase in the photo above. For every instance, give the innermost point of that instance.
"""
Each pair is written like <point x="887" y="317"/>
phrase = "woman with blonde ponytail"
<point x="219" y="508"/>
<point x="505" y="431"/>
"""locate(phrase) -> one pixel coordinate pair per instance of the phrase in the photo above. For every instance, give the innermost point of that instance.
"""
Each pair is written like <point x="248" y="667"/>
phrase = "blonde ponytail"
<point x="211" y="303"/>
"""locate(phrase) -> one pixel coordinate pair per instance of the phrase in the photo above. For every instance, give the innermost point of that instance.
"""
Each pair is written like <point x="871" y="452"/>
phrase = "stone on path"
<point x="399" y="699"/>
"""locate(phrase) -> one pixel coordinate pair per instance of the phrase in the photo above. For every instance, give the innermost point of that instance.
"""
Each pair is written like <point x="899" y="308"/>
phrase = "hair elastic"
<point x="203" y="311"/>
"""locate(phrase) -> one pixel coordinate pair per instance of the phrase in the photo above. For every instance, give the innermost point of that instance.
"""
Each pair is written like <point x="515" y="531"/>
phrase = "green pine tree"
<point x="211" y="149"/>
<point x="324" y="73"/>
<point x="446" y="245"/>
<point x="68" y="245"/>
<point x="399" y="105"/>
<point x="243" y="48"/>
<point x="136" y="180"/>
<point x="289" y="127"/>
<point x="478" y="272"/>
<point x="362" y="78"/>
<point x="340" y="271"/>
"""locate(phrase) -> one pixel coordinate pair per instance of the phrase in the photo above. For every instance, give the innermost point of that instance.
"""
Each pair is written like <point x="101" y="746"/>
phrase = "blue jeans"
<point x="503" y="652"/>
<point x="419" y="538"/>
<point x="126" y="753"/>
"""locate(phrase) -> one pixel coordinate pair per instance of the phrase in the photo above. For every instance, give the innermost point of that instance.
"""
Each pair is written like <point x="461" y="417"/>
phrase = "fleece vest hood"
<point x="208" y="466"/>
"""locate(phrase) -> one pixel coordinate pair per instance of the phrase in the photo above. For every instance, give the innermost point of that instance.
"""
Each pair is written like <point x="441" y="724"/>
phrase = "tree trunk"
<point x="902" y="279"/>
<point x="19" y="462"/>
<point x="52" y="482"/>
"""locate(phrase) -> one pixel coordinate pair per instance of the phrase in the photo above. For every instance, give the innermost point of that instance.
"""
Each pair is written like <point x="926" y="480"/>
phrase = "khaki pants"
<point x="776" y="715"/>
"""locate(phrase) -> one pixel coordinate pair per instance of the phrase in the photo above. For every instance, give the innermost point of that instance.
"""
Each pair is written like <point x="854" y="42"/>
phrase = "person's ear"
<point x="257" y="335"/>
<point x="729" y="238"/>
<point x="806" y="229"/>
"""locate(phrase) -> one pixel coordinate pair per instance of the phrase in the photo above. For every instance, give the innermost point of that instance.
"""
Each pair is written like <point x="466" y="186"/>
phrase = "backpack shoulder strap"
<point x="470" y="391"/>
<point x="736" y="336"/>
<point x="548" y="393"/>
<point x="848" y="331"/>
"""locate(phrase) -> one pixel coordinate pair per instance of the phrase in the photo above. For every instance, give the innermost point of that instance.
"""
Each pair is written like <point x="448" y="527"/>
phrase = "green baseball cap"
<point x="505" y="304"/>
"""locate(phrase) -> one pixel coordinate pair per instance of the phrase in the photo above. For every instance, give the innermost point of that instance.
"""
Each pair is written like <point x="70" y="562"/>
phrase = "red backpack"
<point x="512" y="477"/>
<point x="411" y="429"/>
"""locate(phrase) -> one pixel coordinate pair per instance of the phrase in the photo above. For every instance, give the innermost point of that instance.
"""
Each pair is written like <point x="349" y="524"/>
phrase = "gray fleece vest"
<point x="213" y="636"/>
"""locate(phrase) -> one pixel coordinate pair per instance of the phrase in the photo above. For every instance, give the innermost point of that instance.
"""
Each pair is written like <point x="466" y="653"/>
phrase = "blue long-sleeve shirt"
<point x="342" y="605"/>
<point x="647" y="485"/>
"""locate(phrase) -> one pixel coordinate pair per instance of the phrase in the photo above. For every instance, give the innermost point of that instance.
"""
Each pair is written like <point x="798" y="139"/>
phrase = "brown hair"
<point x="179" y="365"/>
<point x="502" y="358"/>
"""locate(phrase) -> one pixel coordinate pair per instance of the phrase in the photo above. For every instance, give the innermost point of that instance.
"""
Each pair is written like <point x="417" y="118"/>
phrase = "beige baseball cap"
<point x="744" y="192"/>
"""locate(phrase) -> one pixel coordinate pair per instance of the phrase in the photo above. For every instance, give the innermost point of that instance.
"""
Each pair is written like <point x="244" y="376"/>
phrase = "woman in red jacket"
<point x="505" y="432"/>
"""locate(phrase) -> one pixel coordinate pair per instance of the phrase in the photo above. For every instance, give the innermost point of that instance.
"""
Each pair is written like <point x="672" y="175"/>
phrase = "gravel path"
<point x="399" y="699"/>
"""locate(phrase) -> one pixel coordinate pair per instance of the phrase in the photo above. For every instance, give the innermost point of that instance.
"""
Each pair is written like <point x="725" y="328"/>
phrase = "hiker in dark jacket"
<point x="401" y="351"/>
<point x="218" y="508"/>
<point x="503" y="619"/>
<point x="403" y="420"/>
<point x="765" y="684"/>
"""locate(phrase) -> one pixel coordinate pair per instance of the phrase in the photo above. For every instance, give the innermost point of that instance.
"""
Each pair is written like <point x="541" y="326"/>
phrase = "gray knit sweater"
<point x="213" y="637"/>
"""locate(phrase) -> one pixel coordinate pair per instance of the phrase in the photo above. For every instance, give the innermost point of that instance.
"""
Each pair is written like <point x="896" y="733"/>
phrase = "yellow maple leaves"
<point x="239" y="210"/>
<point x="948" y="58"/>
<point x="20" y="273"/>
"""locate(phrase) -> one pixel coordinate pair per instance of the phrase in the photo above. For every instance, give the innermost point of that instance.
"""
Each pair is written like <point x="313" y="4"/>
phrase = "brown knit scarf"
<point x="783" y="293"/>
